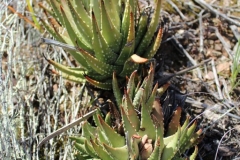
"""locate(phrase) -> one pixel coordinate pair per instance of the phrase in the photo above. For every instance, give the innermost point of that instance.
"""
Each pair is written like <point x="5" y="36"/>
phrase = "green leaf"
<point x="72" y="30"/>
<point x="99" y="66"/>
<point x="171" y="148"/>
<point x="131" y="85"/>
<point x="114" y="139"/>
<point x="107" y="85"/>
<point x="90" y="150"/>
<point x="82" y="12"/>
<point x="110" y="34"/>
<point x="56" y="10"/>
<point x="116" y="90"/>
<point x="103" y="154"/>
<point x="128" y="68"/>
<point x="151" y="29"/>
<point x="194" y="154"/>
<point x="151" y="51"/>
<point x="128" y="127"/>
<point x="101" y="49"/>
<point x="131" y="113"/>
<point x="119" y="153"/>
<point x="141" y="27"/>
<point x="156" y="154"/>
<point x="146" y="126"/>
<point x="83" y="29"/>
<point x="113" y="9"/>
<point x="129" y="43"/>
<point x="88" y="131"/>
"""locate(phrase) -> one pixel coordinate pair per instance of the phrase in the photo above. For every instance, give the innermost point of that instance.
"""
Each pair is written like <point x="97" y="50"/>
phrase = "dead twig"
<point x="216" y="12"/>
<point x="216" y="80"/>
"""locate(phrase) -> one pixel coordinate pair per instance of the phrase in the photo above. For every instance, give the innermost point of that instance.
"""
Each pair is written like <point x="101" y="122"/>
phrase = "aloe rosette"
<point x="135" y="129"/>
<point x="108" y="36"/>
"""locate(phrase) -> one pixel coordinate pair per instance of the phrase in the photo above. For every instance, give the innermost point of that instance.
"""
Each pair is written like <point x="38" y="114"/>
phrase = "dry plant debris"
<point x="34" y="102"/>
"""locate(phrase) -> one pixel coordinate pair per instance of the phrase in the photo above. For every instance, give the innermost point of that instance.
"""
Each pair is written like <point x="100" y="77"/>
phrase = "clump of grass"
<point x="235" y="69"/>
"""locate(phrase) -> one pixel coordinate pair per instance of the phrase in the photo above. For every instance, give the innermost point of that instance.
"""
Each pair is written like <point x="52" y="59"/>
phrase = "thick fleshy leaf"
<point x="103" y="85"/>
<point x="82" y="27"/>
<point x="126" y="22"/>
<point x="194" y="154"/>
<point x="129" y="44"/>
<point x="119" y="153"/>
<point x="89" y="149"/>
<point x="114" y="11"/>
<point x="56" y="10"/>
<point x="156" y="154"/>
<point x="114" y="139"/>
<point x="101" y="49"/>
<point x="141" y="28"/>
<point x="154" y="46"/>
<point x="82" y="12"/>
<point x="128" y="127"/>
<point x="129" y="67"/>
<point x="175" y="122"/>
<point x="171" y="148"/>
<point x="146" y="126"/>
<point x="116" y="90"/>
<point x="72" y="30"/>
<point x="88" y="131"/>
<point x="131" y="84"/>
<point x="99" y="66"/>
<point x="151" y="29"/>
<point x="115" y="38"/>
<point x="80" y="148"/>
<point x="131" y="113"/>
<point x="103" y="154"/>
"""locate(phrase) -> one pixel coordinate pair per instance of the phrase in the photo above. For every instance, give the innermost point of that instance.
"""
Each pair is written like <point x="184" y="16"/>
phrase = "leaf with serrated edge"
<point x="141" y="28"/>
<point x="90" y="150"/>
<point x="114" y="39"/>
<point x="101" y="49"/>
<point x="127" y="124"/>
<point x="115" y="140"/>
<point x="55" y="6"/>
<point x="128" y="68"/>
<point x="154" y="46"/>
<point x="156" y="154"/>
<point x="80" y="148"/>
<point x="65" y="69"/>
<point x="88" y="131"/>
<point x="80" y="9"/>
<point x="128" y="48"/>
<point x="116" y="90"/>
<point x="79" y="140"/>
<point x="118" y="153"/>
<point x="125" y="22"/>
<point x="138" y="98"/>
<point x="146" y="125"/>
<point x="171" y="148"/>
<point x="82" y="27"/>
<point x="151" y="29"/>
<point x="72" y="31"/>
<point x="131" y="113"/>
<point x="131" y="84"/>
<point x="175" y="122"/>
<point x="107" y="85"/>
<point x="112" y="9"/>
<point x="103" y="154"/>
<point x="99" y="66"/>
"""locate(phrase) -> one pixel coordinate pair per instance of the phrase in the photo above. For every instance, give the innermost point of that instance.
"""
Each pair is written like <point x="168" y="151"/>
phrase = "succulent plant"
<point x="108" y="36"/>
<point x="135" y="129"/>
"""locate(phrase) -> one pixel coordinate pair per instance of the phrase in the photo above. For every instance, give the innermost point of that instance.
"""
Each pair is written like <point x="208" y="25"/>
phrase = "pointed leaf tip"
<point x="137" y="59"/>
